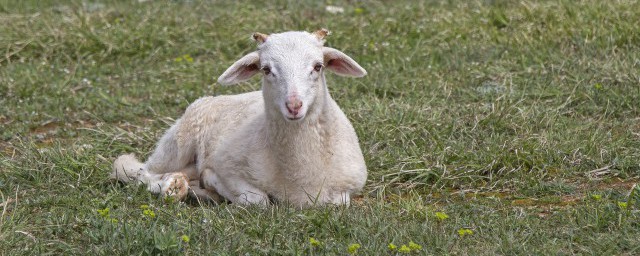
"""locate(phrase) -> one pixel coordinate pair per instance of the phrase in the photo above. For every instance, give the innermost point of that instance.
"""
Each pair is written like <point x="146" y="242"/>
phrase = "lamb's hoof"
<point x="175" y="186"/>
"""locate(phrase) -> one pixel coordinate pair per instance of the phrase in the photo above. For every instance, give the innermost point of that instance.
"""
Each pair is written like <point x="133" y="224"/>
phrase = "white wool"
<point x="289" y="141"/>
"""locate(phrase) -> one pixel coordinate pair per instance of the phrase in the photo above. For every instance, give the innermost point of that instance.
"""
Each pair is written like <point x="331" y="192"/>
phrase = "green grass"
<point x="519" y="120"/>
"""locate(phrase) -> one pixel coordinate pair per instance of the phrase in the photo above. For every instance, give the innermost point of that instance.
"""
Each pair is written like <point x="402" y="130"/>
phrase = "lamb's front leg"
<point x="234" y="188"/>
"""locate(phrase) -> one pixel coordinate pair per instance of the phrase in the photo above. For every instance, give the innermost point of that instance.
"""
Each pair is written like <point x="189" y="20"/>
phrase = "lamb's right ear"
<point x="241" y="70"/>
<point x="342" y="64"/>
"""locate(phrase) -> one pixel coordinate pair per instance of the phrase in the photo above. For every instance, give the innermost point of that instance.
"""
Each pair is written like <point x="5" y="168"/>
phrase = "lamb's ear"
<point x="341" y="64"/>
<point x="241" y="70"/>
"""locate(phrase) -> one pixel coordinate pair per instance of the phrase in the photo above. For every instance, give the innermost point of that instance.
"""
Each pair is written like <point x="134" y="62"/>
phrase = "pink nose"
<point x="293" y="106"/>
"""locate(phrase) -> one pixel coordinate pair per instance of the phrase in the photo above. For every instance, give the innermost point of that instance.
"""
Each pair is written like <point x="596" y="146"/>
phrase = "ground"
<point x="488" y="127"/>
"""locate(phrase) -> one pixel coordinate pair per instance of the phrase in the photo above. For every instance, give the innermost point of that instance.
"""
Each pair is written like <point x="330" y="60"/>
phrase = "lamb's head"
<point x="292" y="64"/>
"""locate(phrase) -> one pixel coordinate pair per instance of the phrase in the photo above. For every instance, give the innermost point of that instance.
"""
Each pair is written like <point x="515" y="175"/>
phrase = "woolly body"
<point x="290" y="141"/>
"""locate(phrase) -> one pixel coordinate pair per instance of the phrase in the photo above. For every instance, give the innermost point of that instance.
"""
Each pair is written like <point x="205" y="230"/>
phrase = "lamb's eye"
<point x="266" y="70"/>
<point x="317" y="67"/>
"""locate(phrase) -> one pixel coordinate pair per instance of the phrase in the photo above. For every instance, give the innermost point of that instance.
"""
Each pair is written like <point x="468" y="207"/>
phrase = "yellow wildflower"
<point x="392" y="246"/>
<point x="463" y="232"/>
<point x="598" y="86"/>
<point x="622" y="205"/>
<point x="187" y="58"/>
<point x="404" y="249"/>
<point x="314" y="242"/>
<point x="353" y="248"/>
<point x="413" y="246"/>
<point x="104" y="213"/>
<point x="441" y="216"/>
<point x="149" y="213"/>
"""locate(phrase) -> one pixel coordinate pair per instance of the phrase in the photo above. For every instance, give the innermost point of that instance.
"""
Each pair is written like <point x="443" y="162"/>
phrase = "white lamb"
<point x="289" y="141"/>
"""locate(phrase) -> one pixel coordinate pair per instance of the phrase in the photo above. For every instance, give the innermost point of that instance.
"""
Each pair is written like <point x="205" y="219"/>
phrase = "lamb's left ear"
<point x="241" y="70"/>
<point x="341" y="64"/>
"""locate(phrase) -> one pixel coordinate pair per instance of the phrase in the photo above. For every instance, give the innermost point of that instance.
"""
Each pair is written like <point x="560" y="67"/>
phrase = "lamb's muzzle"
<point x="293" y="105"/>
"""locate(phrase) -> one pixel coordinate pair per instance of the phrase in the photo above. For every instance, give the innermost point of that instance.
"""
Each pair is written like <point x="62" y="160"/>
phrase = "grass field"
<point x="488" y="127"/>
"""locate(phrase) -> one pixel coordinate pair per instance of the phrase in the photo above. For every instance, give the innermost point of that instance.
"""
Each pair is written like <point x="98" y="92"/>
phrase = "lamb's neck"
<point x="307" y="136"/>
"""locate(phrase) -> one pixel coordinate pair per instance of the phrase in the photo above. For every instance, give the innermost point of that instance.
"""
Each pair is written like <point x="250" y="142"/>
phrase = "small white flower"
<point x="334" y="9"/>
